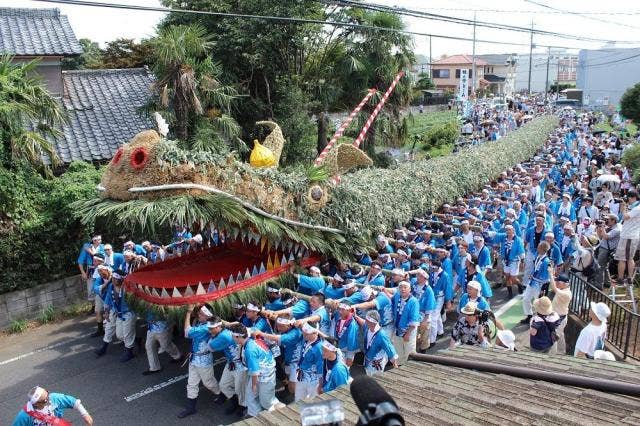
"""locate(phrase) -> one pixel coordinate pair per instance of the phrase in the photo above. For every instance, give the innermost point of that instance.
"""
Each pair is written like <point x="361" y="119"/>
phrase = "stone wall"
<point x="29" y="303"/>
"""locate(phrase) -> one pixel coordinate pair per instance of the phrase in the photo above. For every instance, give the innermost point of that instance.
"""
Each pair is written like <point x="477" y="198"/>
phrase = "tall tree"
<point x="28" y="115"/>
<point x="91" y="57"/>
<point x="190" y="88"/>
<point x="126" y="53"/>
<point x="630" y="103"/>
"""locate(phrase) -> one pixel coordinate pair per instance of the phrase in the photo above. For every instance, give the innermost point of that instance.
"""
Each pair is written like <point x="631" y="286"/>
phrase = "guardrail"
<point x="623" y="327"/>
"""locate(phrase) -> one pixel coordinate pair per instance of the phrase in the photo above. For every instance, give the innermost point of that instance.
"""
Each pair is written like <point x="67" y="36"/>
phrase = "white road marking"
<point x="44" y="349"/>
<point x="504" y="308"/>
<point x="164" y="384"/>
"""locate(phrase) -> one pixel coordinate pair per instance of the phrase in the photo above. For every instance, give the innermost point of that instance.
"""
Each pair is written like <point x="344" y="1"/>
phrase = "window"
<point x="468" y="75"/>
<point x="440" y="73"/>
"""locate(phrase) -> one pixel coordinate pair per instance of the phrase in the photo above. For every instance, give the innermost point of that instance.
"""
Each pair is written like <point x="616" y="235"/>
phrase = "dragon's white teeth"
<point x="154" y="292"/>
<point x="283" y="260"/>
<point x="296" y="249"/>
<point x="221" y="285"/>
<point x="276" y="245"/>
<point x="235" y="232"/>
<point x="164" y="293"/>
<point x="230" y="281"/>
<point x="254" y="272"/>
<point x="291" y="257"/>
<point x="146" y="290"/>
<point x="239" y="277"/>
<point x="200" y="289"/>
<point x="175" y="293"/>
<point x="189" y="291"/>
<point x="212" y="287"/>
<point x="262" y="268"/>
<point x="247" y="274"/>
<point x="289" y="245"/>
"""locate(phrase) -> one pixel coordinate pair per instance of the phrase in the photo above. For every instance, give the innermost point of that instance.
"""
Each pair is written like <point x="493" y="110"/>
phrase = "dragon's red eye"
<point x="117" y="156"/>
<point x="139" y="158"/>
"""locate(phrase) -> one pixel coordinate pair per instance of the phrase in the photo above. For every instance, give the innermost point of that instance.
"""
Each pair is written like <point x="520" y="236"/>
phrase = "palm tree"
<point x="28" y="115"/>
<point x="189" y="88"/>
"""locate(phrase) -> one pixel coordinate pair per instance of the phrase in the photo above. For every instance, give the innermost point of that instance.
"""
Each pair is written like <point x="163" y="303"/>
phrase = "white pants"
<point x="437" y="326"/>
<point x="99" y="303"/>
<point x="405" y="348"/>
<point x="234" y="383"/>
<point x="264" y="399"/>
<point x="306" y="390"/>
<point x="124" y="329"/>
<point x="529" y="260"/>
<point x="163" y="339"/>
<point x="372" y="371"/>
<point x="561" y="344"/>
<point x="204" y="374"/>
<point x="530" y="294"/>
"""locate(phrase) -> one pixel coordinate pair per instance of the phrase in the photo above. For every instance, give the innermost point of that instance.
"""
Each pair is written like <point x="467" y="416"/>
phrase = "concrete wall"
<point x="30" y="303"/>
<point x="538" y="72"/>
<point x="604" y="75"/>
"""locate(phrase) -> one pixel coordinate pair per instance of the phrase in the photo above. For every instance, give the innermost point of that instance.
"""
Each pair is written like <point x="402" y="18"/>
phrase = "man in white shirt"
<point x="561" y="299"/>
<point x="588" y="210"/>
<point x="629" y="237"/>
<point x="592" y="337"/>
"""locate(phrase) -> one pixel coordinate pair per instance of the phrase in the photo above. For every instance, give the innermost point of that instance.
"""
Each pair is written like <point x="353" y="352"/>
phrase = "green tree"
<point x="126" y="53"/>
<point x="190" y="88"/>
<point x="91" y="57"/>
<point x="630" y="103"/>
<point x="28" y="115"/>
<point x="377" y="57"/>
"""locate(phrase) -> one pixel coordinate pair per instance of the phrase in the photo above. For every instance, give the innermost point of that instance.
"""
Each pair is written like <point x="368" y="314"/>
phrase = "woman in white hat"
<point x="505" y="340"/>
<point x="542" y="329"/>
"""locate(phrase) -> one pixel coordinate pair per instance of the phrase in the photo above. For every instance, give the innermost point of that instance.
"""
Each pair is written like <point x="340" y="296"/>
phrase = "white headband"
<point x="37" y="394"/>
<point x="238" y="306"/>
<point x="252" y="307"/>
<point x="328" y="346"/>
<point x="206" y="311"/>
<point x="284" y="321"/>
<point x="344" y="306"/>
<point x="307" y="329"/>
<point x="349" y="285"/>
<point x="273" y="290"/>
<point x="214" y="324"/>
<point x="371" y="319"/>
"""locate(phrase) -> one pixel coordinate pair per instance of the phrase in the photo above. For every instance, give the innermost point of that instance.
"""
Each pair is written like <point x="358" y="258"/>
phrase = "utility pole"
<point x="530" y="59"/>
<point x="546" y="80"/>
<point x="473" y="59"/>
<point x="430" y="59"/>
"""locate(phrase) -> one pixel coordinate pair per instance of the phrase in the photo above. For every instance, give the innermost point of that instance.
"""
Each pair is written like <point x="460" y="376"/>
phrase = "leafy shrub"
<point x="440" y="135"/>
<point x="48" y="315"/>
<point x="631" y="159"/>
<point x="18" y="326"/>
<point x="39" y="234"/>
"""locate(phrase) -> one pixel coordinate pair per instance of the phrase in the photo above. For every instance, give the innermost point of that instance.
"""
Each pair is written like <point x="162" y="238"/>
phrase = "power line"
<point x="464" y="21"/>
<point x="283" y="19"/>
<point x="549" y="12"/>
<point x="612" y="62"/>
<point x="581" y="15"/>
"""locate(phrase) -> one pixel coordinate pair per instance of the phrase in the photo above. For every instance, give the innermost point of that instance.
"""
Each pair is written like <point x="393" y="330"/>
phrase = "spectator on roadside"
<point x="542" y="329"/>
<point x="592" y="337"/>
<point x="468" y="330"/>
<point x="629" y="238"/>
<point x="608" y="232"/>
<point x="584" y="262"/>
<point x="505" y="340"/>
<point x="86" y="265"/>
<point x="561" y="299"/>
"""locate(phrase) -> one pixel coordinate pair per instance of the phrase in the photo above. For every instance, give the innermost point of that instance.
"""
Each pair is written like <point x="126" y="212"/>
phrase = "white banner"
<point x="463" y="86"/>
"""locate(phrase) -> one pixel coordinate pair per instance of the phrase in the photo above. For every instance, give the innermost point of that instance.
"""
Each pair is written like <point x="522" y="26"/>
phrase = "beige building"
<point x="445" y="72"/>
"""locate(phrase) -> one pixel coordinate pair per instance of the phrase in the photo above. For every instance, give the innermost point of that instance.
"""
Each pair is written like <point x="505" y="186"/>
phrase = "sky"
<point x="621" y="22"/>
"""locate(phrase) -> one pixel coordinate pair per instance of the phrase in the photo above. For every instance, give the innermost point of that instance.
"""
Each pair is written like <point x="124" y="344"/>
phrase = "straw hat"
<point x="543" y="306"/>
<point x="469" y="308"/>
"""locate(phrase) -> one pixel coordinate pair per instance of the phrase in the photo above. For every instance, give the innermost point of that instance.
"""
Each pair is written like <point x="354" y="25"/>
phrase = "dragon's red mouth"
<point x="213" y="273"/>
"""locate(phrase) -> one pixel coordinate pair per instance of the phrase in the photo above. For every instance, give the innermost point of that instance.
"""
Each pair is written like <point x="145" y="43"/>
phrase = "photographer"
<point x="629" y="237"/>
<point x="608" y="230"/>
<point x="469" y="330"/>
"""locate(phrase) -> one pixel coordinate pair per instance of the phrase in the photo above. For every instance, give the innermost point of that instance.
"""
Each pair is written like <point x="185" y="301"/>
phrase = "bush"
<point x="18" y="326"/>
<point x="631" y="159"/>
<point x="440" y="135"/>
<point x="39" y="234"/>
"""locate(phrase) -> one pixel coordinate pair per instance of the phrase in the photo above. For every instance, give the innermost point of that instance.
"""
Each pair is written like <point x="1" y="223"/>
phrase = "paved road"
<point x="60" y="357"/>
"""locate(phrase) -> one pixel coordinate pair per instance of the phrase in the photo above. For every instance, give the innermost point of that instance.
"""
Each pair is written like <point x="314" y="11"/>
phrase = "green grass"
<point x="48" y="315"/>
<point x="18" y="326"/>
<point x="631" y="128"/>
<point x="420" y="123"/>
<point x="438" y="151"/>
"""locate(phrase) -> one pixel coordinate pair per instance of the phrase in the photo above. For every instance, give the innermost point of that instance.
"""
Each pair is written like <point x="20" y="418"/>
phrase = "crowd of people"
<point x="537" y="222"/>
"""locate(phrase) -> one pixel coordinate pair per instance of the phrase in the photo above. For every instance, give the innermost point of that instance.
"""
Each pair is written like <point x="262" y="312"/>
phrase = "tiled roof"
<point x="458" y="60"/>
<point x="36" y="32"/>
<point x="432" y="394"/>
<point x="103" y="108"/>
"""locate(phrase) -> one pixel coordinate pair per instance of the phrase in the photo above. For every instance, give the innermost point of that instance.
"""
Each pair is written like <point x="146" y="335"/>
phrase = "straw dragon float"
<point x="270" y="216"/>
